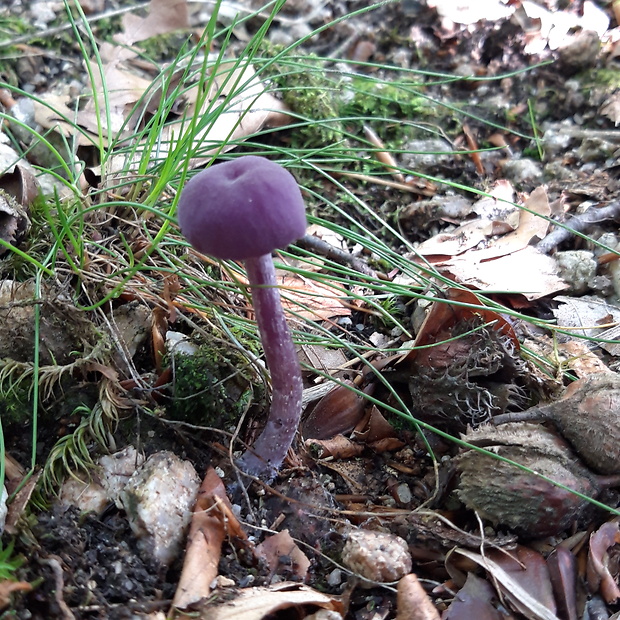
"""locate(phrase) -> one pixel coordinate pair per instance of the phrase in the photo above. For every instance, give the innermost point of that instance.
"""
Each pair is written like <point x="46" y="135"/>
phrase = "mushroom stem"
<point x="268" y="451"/>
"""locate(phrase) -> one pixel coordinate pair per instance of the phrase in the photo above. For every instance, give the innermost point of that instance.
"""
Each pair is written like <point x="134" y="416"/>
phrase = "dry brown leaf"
<point x="530" y="227"/>
<point x="18" y="506"/>
<point x="309" y="298"/>
<point x="599" y="577"/>
<point x="338" y="447"/>
<point x="563" y="573"/>
<point x="8" y="587"/>
<point x="117" y="91"/>
<point x="464" y="238"/>
<point x="373" y="428"/>
<point x="280" y="545"/>
<point x="51" y="109"/>
<point x="511" y="586"/>
<point x="412" y="602"/>
<point x="529" y="570"/>
<point x="212" y="520"/>
<point x="259" y="603"/>
<point x="527" y="272"/>
<point x="323" y="358"/>
<point x="472" y="234"/>
<point x="244" y="107"/>
<point x="474" y="600"/>
<point x="339" y="411"/>
<point x="498" y="205"/>
<point x="163" y="16"/>
<point x="611" y="108"/>
<point x="580" y="359"/>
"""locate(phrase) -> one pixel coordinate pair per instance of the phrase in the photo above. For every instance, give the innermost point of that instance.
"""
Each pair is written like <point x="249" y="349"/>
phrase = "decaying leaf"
<point x="563" y="573"/>
<point x="526" y="272"/>
<point x="474" y="600"/>
<point x="507" y="263"/>
<point x="512" y="586"/>
<point x="259" y="603"/>
<point x="337" y="412"/>
<point x="212" y="521"/>
<point x="599" y="577"/>
<point x="163" y="16"/>
<point x="8" y="587"/>
<point x="338" y="447"/>
<point x="14" y="221"/>
<point x="274" y="549"/>
<point x="412" y="601"/>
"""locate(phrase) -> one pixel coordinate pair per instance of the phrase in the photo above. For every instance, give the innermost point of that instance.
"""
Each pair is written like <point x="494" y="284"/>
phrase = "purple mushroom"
<point x="244" y="209"/>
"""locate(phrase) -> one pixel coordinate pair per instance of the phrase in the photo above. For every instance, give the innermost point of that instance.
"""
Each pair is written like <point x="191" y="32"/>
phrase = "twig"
<point x="54" y="563"/>
<point x="578" y="223"/>
<point x="314" y="244"/>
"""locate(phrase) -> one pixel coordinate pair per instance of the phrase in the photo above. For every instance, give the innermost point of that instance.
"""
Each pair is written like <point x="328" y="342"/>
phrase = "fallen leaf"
<point x="529" y="570"/>
<point x="563" y="573"/>
<point x="611" y="108"/>
<point x="163" y="16"/>
<point x="511" y="586"/>
<point x="580" y="359"/>
<point x="8" y="587"/>
<point x="527" y="272"/>
<point x="474" y="600"/>
<point x="412" y="602"/>
<point x="338" y="412"/>
<point x="599" y="577"/>
<point x="212" y="520"/>
<point x="259" y="603"/>
<point x="279" y="546"/>
<point x="338" y="447"/>
<point x="373" y="428"/>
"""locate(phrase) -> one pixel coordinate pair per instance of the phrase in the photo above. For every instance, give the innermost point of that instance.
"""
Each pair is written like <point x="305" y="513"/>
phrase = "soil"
<point x="104" y="573"/>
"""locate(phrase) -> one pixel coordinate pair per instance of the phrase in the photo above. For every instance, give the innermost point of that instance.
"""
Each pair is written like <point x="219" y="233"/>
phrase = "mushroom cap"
<point x="244" y="208"/>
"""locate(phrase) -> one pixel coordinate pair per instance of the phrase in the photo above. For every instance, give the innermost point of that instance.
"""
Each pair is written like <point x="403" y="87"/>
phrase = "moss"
<point x="212" y="387"/>
<point x="334" y="105"/>
<point x="164" y="46"/>
<point x="15" y="403"/>
<point x="609" y="79"/>
<point x="308" y="91"/>
<point x="379" y="99"/>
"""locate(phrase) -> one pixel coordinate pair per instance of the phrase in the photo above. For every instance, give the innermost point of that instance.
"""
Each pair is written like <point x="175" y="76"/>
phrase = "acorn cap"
<point x="244" y="208"/>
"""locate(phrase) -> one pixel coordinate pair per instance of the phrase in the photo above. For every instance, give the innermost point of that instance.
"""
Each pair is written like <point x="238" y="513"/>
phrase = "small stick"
<point x="314" y="244"/>
<point x="578" y="223"/>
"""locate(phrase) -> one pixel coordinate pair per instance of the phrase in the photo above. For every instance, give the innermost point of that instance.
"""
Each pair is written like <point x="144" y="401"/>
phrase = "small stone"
<point x="158" y="500"/>
<point x="427" y="155"/>
<point x="334" y="578"/>
<point x="522" y="171"/>
<point x="577" y="268"/>
<point x="376" y="556"/>
<point x="117" y="469"/>
<point x="93" y="492"/>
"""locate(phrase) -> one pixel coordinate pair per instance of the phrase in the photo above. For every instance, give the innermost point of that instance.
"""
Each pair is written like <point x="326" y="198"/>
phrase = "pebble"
<point x="577" y="268"/>
<point x="426" y="155"/>
<point x="522" y="171"/>
<point x="158" y="499"/>
<point x="376" y="556"/>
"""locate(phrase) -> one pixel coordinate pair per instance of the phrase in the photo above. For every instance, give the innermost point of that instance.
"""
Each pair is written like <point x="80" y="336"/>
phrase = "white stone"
<point x="158" y="500"/>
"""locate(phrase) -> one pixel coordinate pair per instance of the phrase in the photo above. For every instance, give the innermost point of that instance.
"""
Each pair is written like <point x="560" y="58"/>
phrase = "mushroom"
<point x="244" y="209"/>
